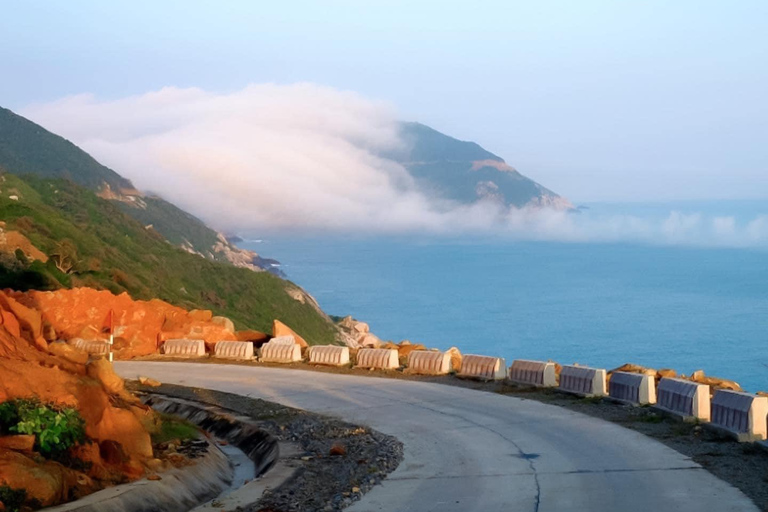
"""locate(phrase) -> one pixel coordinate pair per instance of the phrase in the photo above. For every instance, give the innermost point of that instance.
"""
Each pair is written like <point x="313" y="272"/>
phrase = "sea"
<point x="674" y="285"/>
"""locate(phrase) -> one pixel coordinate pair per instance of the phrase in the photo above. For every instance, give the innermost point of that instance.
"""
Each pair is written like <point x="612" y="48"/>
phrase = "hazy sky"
<point x="613" y="100"/>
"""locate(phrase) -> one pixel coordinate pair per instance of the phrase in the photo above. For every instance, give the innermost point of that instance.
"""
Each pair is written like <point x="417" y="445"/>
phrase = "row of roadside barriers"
<point x="744" y="416"/>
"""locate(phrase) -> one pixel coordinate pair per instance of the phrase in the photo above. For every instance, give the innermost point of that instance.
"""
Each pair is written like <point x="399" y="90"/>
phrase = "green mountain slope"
<point x="110" y="250"/>
<point x="27" y="148"/>
<point x="465" y="172"/>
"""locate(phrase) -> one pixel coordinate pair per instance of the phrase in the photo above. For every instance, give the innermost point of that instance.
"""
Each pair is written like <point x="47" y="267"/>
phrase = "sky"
<point x="597" y="100"/>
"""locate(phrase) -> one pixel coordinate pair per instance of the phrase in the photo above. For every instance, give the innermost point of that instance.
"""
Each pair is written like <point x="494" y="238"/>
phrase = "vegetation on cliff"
<point x="91" y="242"/>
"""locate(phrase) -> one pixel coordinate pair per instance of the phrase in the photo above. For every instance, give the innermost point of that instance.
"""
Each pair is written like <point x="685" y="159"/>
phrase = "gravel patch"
<point x="340" y="463"/>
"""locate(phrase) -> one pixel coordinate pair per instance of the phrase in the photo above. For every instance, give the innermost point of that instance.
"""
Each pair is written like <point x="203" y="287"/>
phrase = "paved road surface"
<point x="470" y="451"/>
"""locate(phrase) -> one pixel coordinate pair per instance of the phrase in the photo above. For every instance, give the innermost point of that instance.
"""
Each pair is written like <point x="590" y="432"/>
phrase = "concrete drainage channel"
<point x="229" y="475"/>
<point x="260" y="461"/>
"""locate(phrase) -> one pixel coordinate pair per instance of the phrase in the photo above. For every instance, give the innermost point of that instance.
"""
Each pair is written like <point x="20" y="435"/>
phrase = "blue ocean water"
<point x="600" y="304"/>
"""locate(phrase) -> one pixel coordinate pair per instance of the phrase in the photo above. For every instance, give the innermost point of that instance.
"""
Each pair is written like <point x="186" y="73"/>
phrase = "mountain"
<point x="56" y="234"/>
<point x="465" y="172"/>
<point x="67" y="221"/>
<point x="27" y="148"/>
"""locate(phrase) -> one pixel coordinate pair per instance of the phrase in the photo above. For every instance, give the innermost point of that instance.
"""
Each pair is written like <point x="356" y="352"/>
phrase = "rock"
<point x="20" y="443"/>
<point x="123" y="427"/>
<point x="634" y="368"/>
<point x="280" y="329"/>
<point x="102" y="371"/>
<point x="200" y="315"/>
<point x="146" y="381"/>
<point x="154" y="477"/>
<point x="224" y="322"/>
<point x="370" y="340"/>
<point x="250" y="335"/>
<point x="355" y="489"/>
<point x="112" y="452"/>
<point x="68" y="352"/>
<point x="455" y="358"/>
<point x="337" y="450"/>
<point x="714" y="382"/>
<point x="46" y="482"/>
<point x="404" y="350"/>
<point x="762" y="393"/>
<point x="666" y="373"/>
<point x="11" y="324"/>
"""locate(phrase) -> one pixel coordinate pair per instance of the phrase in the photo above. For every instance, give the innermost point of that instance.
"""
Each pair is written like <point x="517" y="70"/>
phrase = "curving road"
<point x="468" y="450"/>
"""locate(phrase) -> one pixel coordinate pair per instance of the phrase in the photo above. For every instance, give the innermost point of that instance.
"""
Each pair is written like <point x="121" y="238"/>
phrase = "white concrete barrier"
<point x="233" y="350"/>
<point x="283" y="340"/>
<point x="582" y="380"/>
<point x="632" y="388"/>
<point x="184" y="348"/>
<point x="534" y="373"/>
<point x="483" y="367"/>
<point x="380" y="358"/>
<point x="331" y="355"/>
<point x="684" y="398"/>
<point x="741" y="414"/>
<point x="428" y="362"/>
<point x="91" y="347"/>
<point x="280" y="353"/>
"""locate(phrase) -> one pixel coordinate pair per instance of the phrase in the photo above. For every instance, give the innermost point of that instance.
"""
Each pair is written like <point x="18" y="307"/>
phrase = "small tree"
<point x="65" y="256"/>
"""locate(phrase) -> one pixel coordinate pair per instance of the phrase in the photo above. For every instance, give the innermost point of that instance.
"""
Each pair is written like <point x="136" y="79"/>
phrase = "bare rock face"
<point x="68" y="352"/>
<point x="140" y="326"/>
<point x="56" y="375"/>
<point x="280" y="329"/>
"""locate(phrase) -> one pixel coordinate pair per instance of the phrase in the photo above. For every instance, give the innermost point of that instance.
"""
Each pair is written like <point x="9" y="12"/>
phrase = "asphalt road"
<point x="469" y="450"/>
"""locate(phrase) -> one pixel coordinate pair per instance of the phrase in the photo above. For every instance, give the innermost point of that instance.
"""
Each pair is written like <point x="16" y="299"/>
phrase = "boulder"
<point x="101" y="370"/>
<point x="714" y="382"/>
<point x="48" y="483"/>
<point x="634" y="368"/>
<point x="455" y="358"/>
<point x="21" y="443"/>
<point x="200" y="315"/>
<point x="404" y="350"/>
<point x="224" y="322"/>
<point x="280" y="329"/>
<point x="250" y="335"/>
<point x="666" y="373"/>
<point x="68" y="352"/>
<point x="146" y="381"/>
<point x="370" y="340"/>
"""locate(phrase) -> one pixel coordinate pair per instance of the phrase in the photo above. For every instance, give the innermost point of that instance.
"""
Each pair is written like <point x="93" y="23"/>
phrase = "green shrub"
<point x="12" y="499"/>
<point x="55" y="429"/>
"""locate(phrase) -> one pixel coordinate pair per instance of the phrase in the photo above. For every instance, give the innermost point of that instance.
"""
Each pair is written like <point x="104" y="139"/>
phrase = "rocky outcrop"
<point x="139" y="326"/>
<point x="115" y="421"/>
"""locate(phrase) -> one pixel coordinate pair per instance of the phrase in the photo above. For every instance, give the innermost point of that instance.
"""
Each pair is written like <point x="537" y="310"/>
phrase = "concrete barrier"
<point x="740" y="414"/>
<point x="584" y="381"/>
<point x="233" y="350"/>
<point x="428" y="362"/>
<point x="331" y="355"/>
<point x="91" y="347"/>
<point x="380" y="358"/>
<point x="283" y="340"/>
<point x="483" y="367"/>
<point x="184" y="348"/>
<point x="534" y="373"/>
<point x="280" y="353"/>
<point x="684" y="398"/>
<point x="632" y="388"/>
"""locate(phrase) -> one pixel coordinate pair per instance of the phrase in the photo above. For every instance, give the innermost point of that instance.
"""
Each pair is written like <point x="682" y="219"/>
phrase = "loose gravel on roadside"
<point x="340" y="463"/>
<point x="743" y="465"/>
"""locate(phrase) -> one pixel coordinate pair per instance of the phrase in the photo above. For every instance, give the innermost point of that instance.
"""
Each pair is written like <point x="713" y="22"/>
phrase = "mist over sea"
<point x="697" y="302"/>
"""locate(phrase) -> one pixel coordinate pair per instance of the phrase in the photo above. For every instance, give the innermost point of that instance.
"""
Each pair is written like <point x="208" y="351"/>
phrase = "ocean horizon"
<point x="699" y="302"/>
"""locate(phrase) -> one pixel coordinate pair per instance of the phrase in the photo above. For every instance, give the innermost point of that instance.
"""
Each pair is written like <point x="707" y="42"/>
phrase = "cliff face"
<point x="115" y="421"/>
